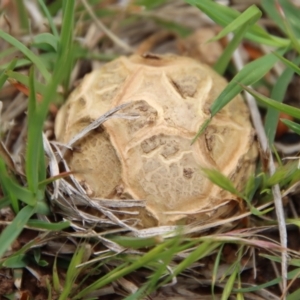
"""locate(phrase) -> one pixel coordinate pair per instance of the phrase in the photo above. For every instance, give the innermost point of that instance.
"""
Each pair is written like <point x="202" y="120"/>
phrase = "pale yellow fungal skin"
<point x="151" y="157"/>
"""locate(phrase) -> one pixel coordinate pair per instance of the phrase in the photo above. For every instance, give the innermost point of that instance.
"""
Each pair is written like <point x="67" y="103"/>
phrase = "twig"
<point x="256" y="119"/>
<point x="109" y="33"/>
<point x="99" y="121"/>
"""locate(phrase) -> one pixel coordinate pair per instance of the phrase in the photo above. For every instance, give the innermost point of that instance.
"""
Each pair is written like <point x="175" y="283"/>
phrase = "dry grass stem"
<point x="109" y="33"/>
<point x="261" y="134"/>
<point x="99" y="121"/>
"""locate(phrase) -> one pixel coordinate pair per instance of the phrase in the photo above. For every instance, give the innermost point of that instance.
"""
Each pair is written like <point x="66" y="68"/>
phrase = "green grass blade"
<point x="283" y="174"/>
<point x="277" y="280"/>
<point x="229" y="285"/>
<point x="22" y="14"/>
<point x="7" y="52"/>
<point x="234" y="276"/>
<point x="66" y="38"/>
<point x="49" y="226"/>
<point x="250" y="74"/>
<point x="4" y="202"/>
<point x="223" y="61"/>
<point x="180" y="30"/>
<point x="215" y="270"/>
<point x="16" y="261"/>
<point x="3" y="75"/>
<point x="46" y="39"/>
<point x="33" y="149"/>
<point x="48" y="58"/>
<point x="49" y="18"/>
<point x="42" y="206"/>
<point x="54" y="7"/>
<point x="201" y="251"/>
<point x="292" y="36"/>
<point x="29" y="54"/>
<point x="55" y="277"/>
<point x="62" y="66"/>
<point x="161" y="270"/>
<point x="124" y="270"/>
<point x="35" y="165"/>
<point x="278" y="93"/>
<point x="42" y="166"/>
<point x="248" y="17"/>
<point x="39" y="87"/>
<point x="294" y="296"/>
<point x="12" y="231"/>
<point x="133" y="242"/>
<point x="239" y="296"/>
<point x="72" y="272"/>
<point x="49" y="289"/>
<point x="297" y="223"/>
<point x="292" y="14"/>
<point x="19" y="192"/>
<point x="201" y="129"/>
<point x="270" y="8"/>
<point x="241" y="25"/>
<point x="150" y="4"/>
<point x="224" y="15"/>
<point x="37" y="254"/>
<point x="289" y="63"/>
<point x="250" y="188"/>
<point x="5" y="187"/>
<point x="140" y="294"/>
<point x="220" y="180"/>
<point x="292" y="111"/>
<point x="292" y="125"/>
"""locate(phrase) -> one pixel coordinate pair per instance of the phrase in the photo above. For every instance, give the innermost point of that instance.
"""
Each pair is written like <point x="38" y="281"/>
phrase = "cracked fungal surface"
<point x="151" y="157"/>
